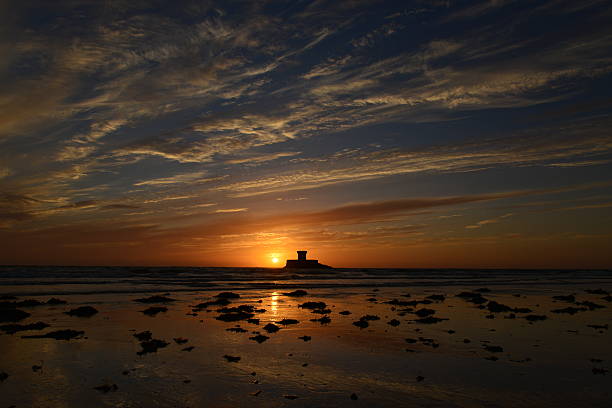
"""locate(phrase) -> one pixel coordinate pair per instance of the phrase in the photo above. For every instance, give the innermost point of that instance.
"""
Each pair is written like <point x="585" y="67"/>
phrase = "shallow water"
<point x="544" y="363"/>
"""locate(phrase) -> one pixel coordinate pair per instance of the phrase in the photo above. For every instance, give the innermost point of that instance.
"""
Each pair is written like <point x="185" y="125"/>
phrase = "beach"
<point x="232" y="337"/>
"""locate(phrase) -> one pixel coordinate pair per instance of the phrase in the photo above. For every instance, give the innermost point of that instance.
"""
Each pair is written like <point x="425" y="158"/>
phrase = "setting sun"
<point x="274" y="260"/>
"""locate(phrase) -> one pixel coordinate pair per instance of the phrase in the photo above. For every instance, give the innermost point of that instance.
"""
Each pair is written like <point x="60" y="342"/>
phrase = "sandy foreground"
<point x="385" y="347"/>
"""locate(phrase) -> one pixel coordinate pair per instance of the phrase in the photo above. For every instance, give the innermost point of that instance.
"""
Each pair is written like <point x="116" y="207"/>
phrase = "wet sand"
<point x="431" y="348"/>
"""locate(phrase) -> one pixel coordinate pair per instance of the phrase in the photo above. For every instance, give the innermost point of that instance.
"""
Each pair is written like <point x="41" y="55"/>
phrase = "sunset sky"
<point x="371" y="133"/>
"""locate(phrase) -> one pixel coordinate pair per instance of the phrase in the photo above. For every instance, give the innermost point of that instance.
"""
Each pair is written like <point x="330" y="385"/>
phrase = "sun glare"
<point x="274" y="260"/>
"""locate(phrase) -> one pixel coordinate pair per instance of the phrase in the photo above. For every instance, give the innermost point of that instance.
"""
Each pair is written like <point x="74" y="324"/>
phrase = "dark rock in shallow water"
<point x="430" y="320"/>
<point x="472" y="297"/>
<point x="598" y="326"/>
<point x="322" y="320"/>
<point x="154" y="310"/>
<point x="29" y="303"/>
<point x="231" y="359"/>
<point x="296" y="293"/>
<point x="3" y="376"/>
<point x="491" y="358"/>
<point x="590" y="305"/>
<point x="496" y="307"/>
<point x="424" y="312"/>
<point x="565" y="298"/>
<point x="143" y="336"/>
<point x="362" y="324"/>
<point x="151" y="346"/>
<point x="493" y="349"/>
<point x="285" y="322"/>
<point x="188" y="348"/>
<point x="393" y="322"/>
<point x="597" y="292"/>
<point x="14" y="328"/>
<point x="271" y="328"/>
<point x="253" y="321"/>
<point x="313" y="305"/>
<point x="483" y="290"/>
<point x="436" y="298"/>
<point x="155" y="299"/>
<point x="234" y="316"/>
<point x="354" y="397"/>
<point x="420" y="378"/>
<point x="411" y="341"/>
<point x="218" y="302"/>
<point x="227" y="295"/>
<point x="290" y="397"/>
<point x="83" y="311"/>
<point x="369" y="317"/>
<point x="105" y="388"/>
<point x="260" y="338"/>
<point x="534" y="318"/>
<point x="58" y="335"/>
<point x="180" y="340"/>
<point x="12" y="315"/>
<point x="236" y="330"/>
<point x="570" y="310"/>
<point x="321" y="311"/>
<point x="345" y="312"/>
<point x="305" y="338"/>
<point x="601" y="371"/>
<point x="56" y="301"/>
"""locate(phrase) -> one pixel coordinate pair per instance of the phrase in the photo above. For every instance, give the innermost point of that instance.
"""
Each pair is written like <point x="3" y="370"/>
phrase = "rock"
<point x="227" y="295"/>
<point x="495" y="307"/>
<point x="56" y="301"/>
<point x="369" y="317"/>
<point x="106" y="388"/>
<point x="590" y="305"/>
<point x="321" y="311"/>
<point x="296" y="293"/>
<point x="372" y="299"/>
<point x="236" y="330"/>
<point x="411" y="341"/>
<point x="234" y="316"/>
<point x="286" y="322"/>
<point x="597" y="292"/>
<point x="436" y="298"/>
<point x="271" y="328"/>
<point x="472" y="297"/>
<point x="151" y="346"/>
<point x="598" y="326"/>
<point x="29" y="303"/>
<point x="188" y="348"/>
<point x="256" y="393"/>
<point x="535" y="318"/>
<point x="491" y="358"/>
<point x="424" y="312"/>
<point x="493" y="349"/>
<point x="601" y="371"/>
<point x="290" y="397"/>
<point x="483" y="290"/>
<point x="231" y="359"/>
<point x="36" y="368"/>
<point x="570" y="310"/>
<point x="3" y="376"/>
<point x="66" y="334"/>
<point x="322" y="320"/>
<point x="345" y="312"/>
<point x="429" y="320"/>
<point x="217" y="302"/>
<point x="565" y="298"/>
<point x="393" y="322"/>
<point x="467" y="341"/>
<point x="596" y="360"/>
<point x="260" y="338"/>
<point x="155" y="299"/>
<point x="154" y="310"/>
<point x="305" y="338"/>
<point x="253" y="321"/>
<point x="362" y="324"/>
<point x="83" y="311"/>
<point x="313" y="305"/>
<point x="14" y="328"/>
<point x="354" y="397"/>
<point x="420" y="378"/>
<point x="12" y="315"/>
<point x="143" y="336"/>
<point x="181" y="340"/>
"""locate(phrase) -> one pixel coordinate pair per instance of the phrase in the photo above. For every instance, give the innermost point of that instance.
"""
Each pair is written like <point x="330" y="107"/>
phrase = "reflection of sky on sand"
<point x="342" y="359"/>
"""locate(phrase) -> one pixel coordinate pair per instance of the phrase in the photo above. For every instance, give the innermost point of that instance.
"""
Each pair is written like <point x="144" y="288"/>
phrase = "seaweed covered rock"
<point x="83" y="311"/>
